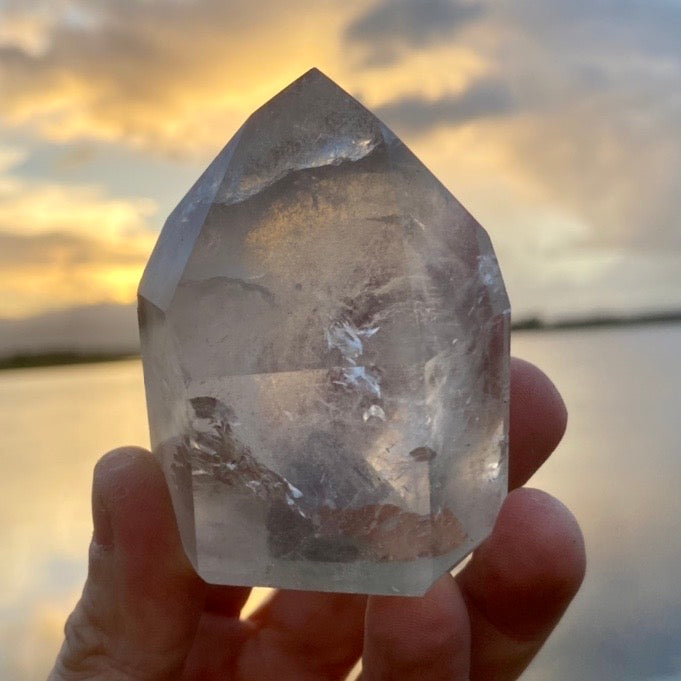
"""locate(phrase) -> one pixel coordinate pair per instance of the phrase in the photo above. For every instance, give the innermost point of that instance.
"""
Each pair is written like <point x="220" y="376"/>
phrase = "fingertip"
<point x="142" y="600"/>
<point x="130" y="498"/>
<point x="118" y="468"/>
<point x="538" y="420"/>
<point x="112" y="476"/>
<point x="417" y="638"/>
<point x="525" y="575"/>
<point x="133" y="515"/>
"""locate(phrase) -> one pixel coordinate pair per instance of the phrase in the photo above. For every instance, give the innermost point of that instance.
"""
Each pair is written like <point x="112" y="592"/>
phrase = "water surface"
<point x="619" y="470"/>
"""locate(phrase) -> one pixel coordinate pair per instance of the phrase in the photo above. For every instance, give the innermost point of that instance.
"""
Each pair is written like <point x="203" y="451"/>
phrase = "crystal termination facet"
<point x="325" y="338"/>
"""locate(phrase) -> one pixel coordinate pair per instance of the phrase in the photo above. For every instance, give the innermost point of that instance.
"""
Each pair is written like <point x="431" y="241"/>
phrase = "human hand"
<point x="145" y="615"/>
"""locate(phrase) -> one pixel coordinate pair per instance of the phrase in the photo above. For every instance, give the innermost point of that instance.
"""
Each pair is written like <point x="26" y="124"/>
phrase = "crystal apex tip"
<point x="315" y="74"/>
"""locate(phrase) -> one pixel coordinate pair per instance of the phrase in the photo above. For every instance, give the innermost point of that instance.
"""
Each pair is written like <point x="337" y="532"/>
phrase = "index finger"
<point x="537" y="422"/>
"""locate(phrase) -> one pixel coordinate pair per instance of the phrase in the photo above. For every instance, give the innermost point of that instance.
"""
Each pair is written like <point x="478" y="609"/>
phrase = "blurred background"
<point x="557" y="124"/>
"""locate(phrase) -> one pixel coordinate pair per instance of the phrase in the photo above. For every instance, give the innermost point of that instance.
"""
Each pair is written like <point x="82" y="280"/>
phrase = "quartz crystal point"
<point x="325" y="337"/>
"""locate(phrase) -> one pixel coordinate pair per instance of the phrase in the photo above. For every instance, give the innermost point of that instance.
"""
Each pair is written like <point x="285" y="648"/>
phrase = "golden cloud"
<point x="163" y="75"/>
<point x="174" y="76"/>
<point x="582" y="154"/>
<point x="63" y="245"/>
<point x="61" y="271"/>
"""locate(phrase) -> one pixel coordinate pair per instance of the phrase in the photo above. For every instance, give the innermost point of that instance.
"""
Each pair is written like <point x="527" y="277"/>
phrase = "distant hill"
<point x="105" y="328"/>
<point x="593" y="321"/>
<point x="51" y="359"/>
<point x="108" y="331"/>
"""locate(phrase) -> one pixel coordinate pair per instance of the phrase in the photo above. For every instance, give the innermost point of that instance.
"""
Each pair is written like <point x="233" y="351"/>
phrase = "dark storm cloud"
<point x="483" y="98"/>
<point x="392" y="25"/>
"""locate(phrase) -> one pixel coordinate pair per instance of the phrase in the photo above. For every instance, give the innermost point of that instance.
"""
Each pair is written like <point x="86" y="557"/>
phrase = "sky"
<point x="555" y="123"/>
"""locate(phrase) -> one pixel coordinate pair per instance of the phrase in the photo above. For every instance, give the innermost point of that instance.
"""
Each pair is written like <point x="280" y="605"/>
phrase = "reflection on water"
<point x="618" y="469"/>
<point x="54" y="423"/>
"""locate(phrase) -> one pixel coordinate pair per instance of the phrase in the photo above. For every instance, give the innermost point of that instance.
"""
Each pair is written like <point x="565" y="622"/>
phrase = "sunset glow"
<point x="570" y="158"/>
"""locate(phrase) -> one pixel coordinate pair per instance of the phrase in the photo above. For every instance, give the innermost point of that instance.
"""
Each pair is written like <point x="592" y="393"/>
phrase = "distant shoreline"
<point x="53" y="359"/>
<point x="538" y="324"/>
<point x="28" y="360"/>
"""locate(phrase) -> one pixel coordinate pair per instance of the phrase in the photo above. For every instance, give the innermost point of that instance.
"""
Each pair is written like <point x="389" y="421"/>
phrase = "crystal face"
<point x="325" y="338"/>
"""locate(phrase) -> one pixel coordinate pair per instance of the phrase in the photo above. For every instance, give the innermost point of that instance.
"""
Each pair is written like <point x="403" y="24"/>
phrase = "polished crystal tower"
<point x="325" y="337"/>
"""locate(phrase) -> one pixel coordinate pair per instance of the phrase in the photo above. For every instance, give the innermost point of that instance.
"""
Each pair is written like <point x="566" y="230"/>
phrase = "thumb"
<point x="142" y="600"/>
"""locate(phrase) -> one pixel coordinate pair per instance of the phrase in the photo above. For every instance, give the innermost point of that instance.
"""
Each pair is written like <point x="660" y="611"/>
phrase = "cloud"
<point x="162" y="76"/>
<point x="18" y="251"/>
<point x="605" y="136"/>
<point x="595" y="131"/>
<point x="24" y="26"/>
<point x="10" y="157"/>
<point x="593" y="89"/>
<point x="58" y="270"/>
<point x="647" y="26"/>
<point x="61" y="245"/>
<point x="392" y="26"/>
<point x="620" y="173"/>
<point x="48" y="207"/>
<point x="487" y="97"/>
